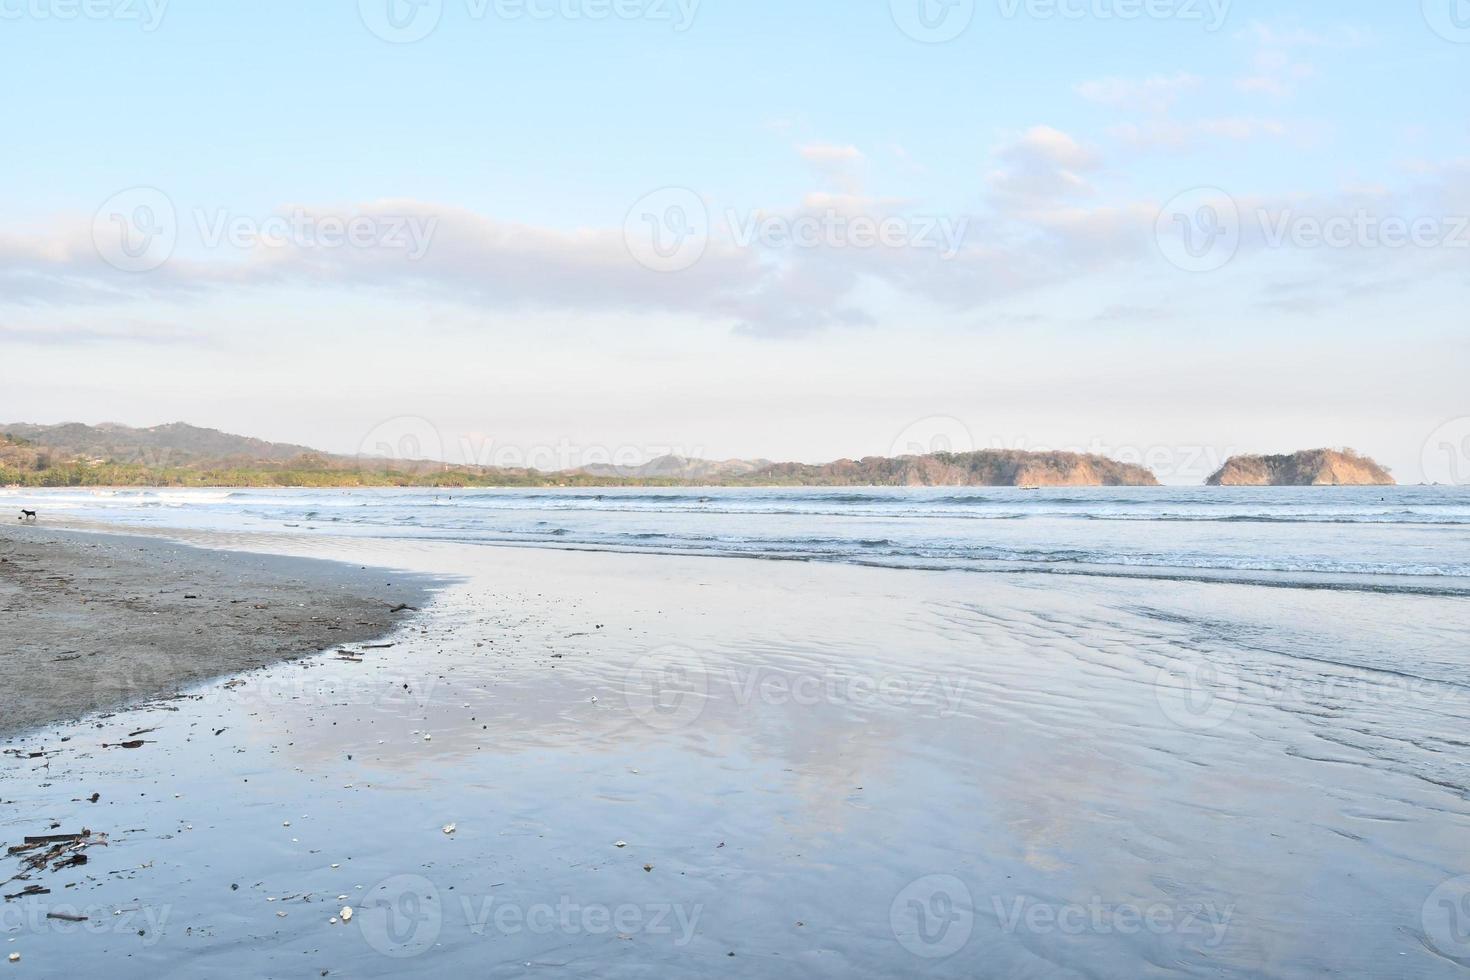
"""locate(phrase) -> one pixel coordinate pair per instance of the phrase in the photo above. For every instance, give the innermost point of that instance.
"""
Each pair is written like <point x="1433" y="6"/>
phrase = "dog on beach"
<point x="29" y="516"/>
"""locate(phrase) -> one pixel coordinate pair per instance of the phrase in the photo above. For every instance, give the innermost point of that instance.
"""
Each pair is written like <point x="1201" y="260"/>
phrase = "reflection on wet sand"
<point x="652" y="763"/>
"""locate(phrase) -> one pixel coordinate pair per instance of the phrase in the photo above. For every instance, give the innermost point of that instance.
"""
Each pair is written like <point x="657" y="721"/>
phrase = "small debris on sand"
<point x="52" y="853"/>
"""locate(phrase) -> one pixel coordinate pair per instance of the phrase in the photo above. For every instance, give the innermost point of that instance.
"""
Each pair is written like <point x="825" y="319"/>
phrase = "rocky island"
<point x="1308" y="468"/>
<point x="985" y="468"/>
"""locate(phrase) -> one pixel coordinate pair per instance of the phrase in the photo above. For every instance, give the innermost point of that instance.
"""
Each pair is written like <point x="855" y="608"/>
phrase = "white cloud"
<point x="1175" y="135"/>
<point x="1156" y="94"/>
<point x="841" y="167"/>
<point x="826" y="153"/>
<point x="1043" y="166"/>
<point x="1044" y="225"/>
<point x="1275" y="74"/>
<point x="1343" y="36"/>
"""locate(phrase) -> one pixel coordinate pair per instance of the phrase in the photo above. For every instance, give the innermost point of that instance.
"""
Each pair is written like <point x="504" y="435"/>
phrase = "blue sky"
<point x="526" y="149"/>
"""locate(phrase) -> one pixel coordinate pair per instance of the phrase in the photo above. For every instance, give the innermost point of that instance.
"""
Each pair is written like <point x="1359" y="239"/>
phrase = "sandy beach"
<point x="721" y="491"/>
<point x="96" y="621"/>
<point x="584" y="764"/>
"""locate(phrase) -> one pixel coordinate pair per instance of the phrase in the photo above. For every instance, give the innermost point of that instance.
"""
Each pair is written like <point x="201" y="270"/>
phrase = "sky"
<point x="554" y="232"/>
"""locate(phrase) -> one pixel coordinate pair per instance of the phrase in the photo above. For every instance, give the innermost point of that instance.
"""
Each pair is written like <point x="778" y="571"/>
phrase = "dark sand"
<point x="99" y="621"/>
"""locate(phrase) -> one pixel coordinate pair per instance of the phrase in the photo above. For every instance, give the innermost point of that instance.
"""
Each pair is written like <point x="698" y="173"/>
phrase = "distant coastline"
<point x="184" y="456"/>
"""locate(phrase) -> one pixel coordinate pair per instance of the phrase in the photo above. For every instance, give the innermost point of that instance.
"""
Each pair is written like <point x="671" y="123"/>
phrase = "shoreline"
<point x="771" y="760"/>
<point x="100" y="620"/>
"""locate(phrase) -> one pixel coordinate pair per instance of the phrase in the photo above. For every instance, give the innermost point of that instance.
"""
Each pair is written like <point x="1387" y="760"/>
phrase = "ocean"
<point x="1413" y="539"/>
<point x="580" y="761"/>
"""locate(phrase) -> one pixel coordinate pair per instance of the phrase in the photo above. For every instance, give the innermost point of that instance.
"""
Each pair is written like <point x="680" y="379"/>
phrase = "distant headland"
<point x="1308" y="468"/>
<point x="182" y="455"/>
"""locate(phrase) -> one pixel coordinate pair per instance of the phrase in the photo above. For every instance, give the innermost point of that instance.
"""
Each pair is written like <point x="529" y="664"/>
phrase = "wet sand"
<point x="609" y="765"/>
<point x="94" y="621"/>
